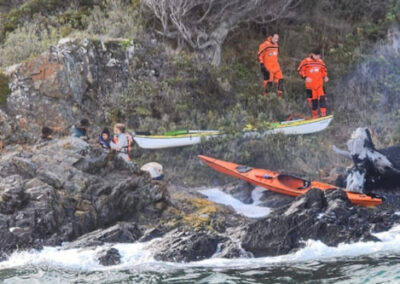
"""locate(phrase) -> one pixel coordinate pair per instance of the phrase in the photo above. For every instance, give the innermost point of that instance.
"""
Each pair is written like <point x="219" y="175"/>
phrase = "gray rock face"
<point x="70" y="81"/>
<point x="9" y="130"/>
<point x="47" y="197"/>
<point x="328" y="217"/>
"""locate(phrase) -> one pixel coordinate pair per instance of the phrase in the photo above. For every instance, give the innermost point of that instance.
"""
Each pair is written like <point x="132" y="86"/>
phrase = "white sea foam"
<point x="136" y="256"/>
<point x="316" y="250"/>
<point x="248" y="210"/>
<point x="84" y="259"/>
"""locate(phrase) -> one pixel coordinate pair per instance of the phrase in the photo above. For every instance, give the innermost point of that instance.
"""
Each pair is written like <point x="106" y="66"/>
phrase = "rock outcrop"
<point x="73" y="80"/>
<point x="328" y="217"/>
<point x="373" y="168"/>
<point x="8" y="130"/>
<point x="122" y="232"/>
<point x="187" y="245"/>
<point x="61" y="190"/>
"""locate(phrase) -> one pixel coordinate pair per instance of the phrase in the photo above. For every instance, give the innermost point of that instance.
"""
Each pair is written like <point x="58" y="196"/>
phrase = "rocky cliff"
<point x="74" y="79"/>
<point x="60" y="190"/>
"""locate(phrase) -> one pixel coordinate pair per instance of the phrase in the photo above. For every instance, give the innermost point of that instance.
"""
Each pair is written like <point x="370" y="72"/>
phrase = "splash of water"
<point x="248" y="210"/>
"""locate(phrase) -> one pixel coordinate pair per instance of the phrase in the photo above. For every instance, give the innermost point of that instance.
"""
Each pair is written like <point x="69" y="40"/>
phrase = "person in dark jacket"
<point x="105" y="138"/>
<point x="46" y="133"/>
<point x="80" y="129"/>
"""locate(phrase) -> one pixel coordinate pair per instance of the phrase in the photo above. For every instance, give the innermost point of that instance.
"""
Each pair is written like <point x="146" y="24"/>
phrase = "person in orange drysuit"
<point x="268" y="58"/>
<point x="313" y="70"/>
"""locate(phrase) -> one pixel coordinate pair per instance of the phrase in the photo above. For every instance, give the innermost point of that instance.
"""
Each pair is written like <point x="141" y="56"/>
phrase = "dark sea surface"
<point x="366" y="269"/>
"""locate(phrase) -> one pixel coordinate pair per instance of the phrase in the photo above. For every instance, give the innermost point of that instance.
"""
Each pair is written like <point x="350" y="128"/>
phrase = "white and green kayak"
<point x="191" y="137"/>
<point x="174" y="138"/>
<point x="292" y="127"/>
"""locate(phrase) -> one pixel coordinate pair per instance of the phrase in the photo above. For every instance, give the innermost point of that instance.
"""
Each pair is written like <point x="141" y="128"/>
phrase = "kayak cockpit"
<point x="293" y="182"/>
<point x="243" y="169"/>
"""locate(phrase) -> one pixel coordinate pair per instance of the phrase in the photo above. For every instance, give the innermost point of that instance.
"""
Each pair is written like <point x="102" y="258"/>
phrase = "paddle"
<point x="143" y="133"/>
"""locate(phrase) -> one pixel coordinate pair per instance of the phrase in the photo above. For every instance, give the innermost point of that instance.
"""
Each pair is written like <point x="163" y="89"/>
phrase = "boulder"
<point x="154" y="169"/>
<point x="325" y="216"/>
<point x="372" y="168"/>
<point x="186" y="245"/>
<point x="109" y="257"/>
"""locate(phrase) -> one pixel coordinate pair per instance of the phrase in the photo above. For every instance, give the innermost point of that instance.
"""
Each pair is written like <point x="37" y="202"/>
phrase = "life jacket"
<point x="104" y="143"/>
<point x="261" y="48"/>
<point x="315" y="69"/>
<point x="268" y="55"/>
<point x="125" y="149"/>
<point x="130" y="142"/>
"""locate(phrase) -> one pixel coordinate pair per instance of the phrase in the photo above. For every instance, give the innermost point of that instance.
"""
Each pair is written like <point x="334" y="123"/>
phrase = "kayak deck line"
<point x="190" y="134"/>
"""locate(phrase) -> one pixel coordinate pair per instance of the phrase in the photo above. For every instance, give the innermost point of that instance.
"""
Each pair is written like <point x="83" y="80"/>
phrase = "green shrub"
<point x="25" y="42"/>
<point x="75" y="19"/>
<point x="27" y="11"/>
<point x="114" y="20"/>
<point x="4" y="89"/>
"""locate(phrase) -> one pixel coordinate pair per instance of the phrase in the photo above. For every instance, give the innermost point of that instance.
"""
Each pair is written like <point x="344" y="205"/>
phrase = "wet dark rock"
<point x="240" y="190"/>
<point x="328" y="217"/>
<point x="122" y="232"/>
<point x="109" y="257"/>
<point x="273" y="200"/>
<point x="152" y="234"/>
<point x="185" y="246"/>
<point x="49" y="194"/>
<point x="231" y="249"/>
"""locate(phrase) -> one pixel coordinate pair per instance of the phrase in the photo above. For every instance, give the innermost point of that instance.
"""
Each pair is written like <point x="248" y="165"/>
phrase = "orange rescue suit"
<point x="268" y="55"/>
<point x="314" y="71"/>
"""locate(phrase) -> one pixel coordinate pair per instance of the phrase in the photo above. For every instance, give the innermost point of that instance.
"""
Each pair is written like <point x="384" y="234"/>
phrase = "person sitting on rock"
<point x="121" y="141"/>
<point x="105" y="138"/>
<point x="80" y="129"/>
<point x="46" y="133"/>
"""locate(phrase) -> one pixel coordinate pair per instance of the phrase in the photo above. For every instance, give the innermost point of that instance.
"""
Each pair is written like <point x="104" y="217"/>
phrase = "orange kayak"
<point x="281" y="183"/>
